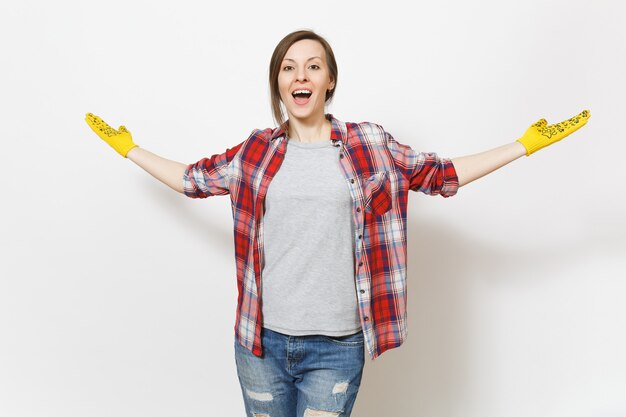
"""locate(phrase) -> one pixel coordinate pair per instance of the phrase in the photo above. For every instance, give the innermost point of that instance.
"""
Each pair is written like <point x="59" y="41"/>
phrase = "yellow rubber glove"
<point x="120" y="139"/>
<point x="541" y="134"/>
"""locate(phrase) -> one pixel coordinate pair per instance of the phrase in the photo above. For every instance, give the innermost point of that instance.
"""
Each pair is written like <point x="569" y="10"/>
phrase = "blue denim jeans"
<point x="301" y="376"/>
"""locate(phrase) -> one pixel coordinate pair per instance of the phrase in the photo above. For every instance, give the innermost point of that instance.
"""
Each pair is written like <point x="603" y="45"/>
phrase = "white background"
<point x="118" y="296"/>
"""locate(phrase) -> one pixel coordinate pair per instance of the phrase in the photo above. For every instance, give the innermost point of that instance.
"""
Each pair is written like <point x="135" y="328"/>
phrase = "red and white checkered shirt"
<point x="379" y="172"/>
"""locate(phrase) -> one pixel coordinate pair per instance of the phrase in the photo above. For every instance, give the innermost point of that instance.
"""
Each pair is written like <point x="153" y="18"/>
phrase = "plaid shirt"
<point x="379" y="172"/>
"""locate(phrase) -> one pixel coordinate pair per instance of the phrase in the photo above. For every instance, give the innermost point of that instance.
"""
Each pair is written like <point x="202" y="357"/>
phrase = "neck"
<point x="309" y="130"/>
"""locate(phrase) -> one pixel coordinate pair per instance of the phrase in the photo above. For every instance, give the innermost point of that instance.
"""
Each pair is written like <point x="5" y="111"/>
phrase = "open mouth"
<point x="302" y="96"/>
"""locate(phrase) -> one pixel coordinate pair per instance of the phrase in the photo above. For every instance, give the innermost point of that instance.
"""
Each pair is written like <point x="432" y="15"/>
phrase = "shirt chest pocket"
<point x="377" y="193"/>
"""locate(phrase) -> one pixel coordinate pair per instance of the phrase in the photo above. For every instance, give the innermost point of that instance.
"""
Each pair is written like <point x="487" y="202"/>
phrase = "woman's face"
<point x="304" y="79"/>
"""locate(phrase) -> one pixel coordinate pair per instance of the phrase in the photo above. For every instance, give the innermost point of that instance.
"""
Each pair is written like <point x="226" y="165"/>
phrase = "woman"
<point x="319" y="209"/>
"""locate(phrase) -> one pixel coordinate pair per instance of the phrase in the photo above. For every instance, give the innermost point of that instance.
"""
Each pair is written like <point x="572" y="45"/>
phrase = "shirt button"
<point x="360" y="236"/>
<point x="341" y="156"/>
<point x="352" y="180"/>
<point x="366" y="318"/>
<point x="358" y="209"/>
<point x="360" y="263"/>
<point x="362" y="291"/>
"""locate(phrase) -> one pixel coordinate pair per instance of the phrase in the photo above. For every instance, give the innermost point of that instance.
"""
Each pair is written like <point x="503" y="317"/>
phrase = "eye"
<point x="315" y="67"/>
<point x="287" y="68"/>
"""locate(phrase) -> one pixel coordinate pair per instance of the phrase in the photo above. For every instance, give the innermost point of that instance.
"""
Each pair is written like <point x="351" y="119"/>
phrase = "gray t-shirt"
<point x="308" y="284"/>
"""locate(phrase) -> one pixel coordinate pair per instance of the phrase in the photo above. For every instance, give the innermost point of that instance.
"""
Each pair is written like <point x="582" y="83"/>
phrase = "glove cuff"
<point x="124" y="152"/>
<point x="531" y="146"/>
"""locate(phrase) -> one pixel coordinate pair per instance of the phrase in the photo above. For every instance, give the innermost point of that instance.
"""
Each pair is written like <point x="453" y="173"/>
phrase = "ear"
<point x="331" y="86"/>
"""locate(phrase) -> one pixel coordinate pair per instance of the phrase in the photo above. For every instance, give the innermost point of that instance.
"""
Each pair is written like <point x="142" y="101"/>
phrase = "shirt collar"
<point x="337" y="130"/>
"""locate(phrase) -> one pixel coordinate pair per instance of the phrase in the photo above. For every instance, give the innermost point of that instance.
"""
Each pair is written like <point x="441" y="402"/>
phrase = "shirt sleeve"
<point x="426" y="172"/>
<point x="209" y="176"/>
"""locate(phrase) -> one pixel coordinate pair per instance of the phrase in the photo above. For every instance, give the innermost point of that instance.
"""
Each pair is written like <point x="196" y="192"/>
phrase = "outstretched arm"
<point x="471" y="167"/>
<point x="168" y="172"/>
<point x="537" y="136"/>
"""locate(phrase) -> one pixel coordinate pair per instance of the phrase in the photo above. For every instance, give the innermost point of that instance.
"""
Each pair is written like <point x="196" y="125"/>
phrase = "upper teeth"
<point x="302" y="92"/>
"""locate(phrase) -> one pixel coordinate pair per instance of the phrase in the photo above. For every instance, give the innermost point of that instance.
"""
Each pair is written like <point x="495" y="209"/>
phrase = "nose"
<point x="301" y="74"/>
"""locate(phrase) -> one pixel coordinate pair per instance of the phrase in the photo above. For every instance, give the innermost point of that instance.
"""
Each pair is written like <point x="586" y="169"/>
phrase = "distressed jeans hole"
<point x="319" y="413"/>
<point x="260" y="396"/>
<point x="340" y="387"/>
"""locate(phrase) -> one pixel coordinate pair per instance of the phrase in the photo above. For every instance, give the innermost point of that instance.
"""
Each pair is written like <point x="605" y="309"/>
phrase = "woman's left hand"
<point x="541" y="134"/>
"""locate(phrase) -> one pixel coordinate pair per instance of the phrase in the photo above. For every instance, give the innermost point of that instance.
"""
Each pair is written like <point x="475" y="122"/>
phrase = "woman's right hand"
<point x="119" y="139"/>
<point x="168" y="172"/>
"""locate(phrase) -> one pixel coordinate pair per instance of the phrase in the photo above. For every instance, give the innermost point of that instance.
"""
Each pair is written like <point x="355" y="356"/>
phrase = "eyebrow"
<point x="313" y="57"/>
